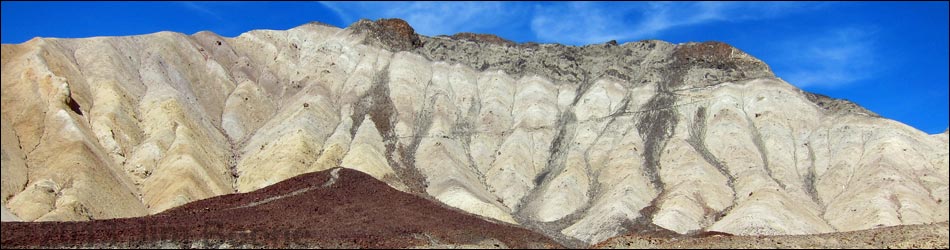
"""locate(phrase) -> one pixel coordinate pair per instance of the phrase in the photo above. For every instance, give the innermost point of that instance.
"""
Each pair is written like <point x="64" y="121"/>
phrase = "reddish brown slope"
<point x="356" y="210"/>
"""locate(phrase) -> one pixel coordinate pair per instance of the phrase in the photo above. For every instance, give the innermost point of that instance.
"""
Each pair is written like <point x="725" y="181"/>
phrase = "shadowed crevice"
<point x="73" y="105"/>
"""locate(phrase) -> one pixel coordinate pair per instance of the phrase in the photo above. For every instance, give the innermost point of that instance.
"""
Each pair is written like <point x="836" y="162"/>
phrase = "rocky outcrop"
<point x="581" y="143"/>
<point x="482" y="38"/>
<point x="393" y="34"/>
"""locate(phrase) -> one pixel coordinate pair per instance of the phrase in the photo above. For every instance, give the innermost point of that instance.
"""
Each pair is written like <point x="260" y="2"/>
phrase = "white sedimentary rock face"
<point x="581" y="142"/>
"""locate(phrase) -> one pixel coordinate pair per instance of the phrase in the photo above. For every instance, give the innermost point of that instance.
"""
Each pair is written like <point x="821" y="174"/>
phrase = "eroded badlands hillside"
<point x="581" y="143"/>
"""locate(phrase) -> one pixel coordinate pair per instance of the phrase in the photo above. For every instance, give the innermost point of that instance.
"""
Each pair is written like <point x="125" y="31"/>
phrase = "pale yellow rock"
<point x="5" y="215"/>
<point x="694" y="190"/>
<point x="625" y="188"/>
<point x="337" y="146"/>
<point x="67" y="142"/>
<point x="524" y="153"/>
<point x="760" y="214"/>
<point x="182" y="160"/>
<point x="13" y="168"/>
<point x="245" y="110"/>
<point x="289" y="143"/>
<point x="409" y="79"/>
<point x="368" y="154"/>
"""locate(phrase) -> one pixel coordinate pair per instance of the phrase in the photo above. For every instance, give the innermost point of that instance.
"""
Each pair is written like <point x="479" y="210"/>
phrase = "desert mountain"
<point x="328" y="209"/>
<point x="581" y="143"/>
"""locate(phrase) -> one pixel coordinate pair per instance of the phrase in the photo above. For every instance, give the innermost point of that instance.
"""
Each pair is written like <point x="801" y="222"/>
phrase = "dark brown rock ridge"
<point x="482" y="38"/>
<point x="394" y="33"/>
<point x="837" y="105"/>
<point x="328" y="209"/>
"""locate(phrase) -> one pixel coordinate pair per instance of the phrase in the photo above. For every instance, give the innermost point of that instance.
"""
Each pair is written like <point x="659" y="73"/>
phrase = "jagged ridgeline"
<point x="579" y="143"/>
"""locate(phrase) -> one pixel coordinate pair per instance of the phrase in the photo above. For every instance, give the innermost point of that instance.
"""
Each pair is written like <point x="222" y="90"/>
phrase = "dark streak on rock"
<point x="763" y="151"/>
<point x="829" y="104"/>
<point x="697" y="135"/>
<point x="644" y="223"/>
<point x="379" y="106"/>
<point x="810" y="177"/>
<point x="656" y="127"/>
<point x="696" y="139"/>
<point x="73" y="105"/>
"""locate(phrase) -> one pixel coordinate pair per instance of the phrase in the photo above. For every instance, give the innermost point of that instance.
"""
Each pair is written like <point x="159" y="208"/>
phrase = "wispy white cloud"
<point x="574" y="23"/>
<point x="579" y="22"/>
<point x="431" y="18"/>
<point x="828" y="59"/>
<point x="344" y="16"/>
<point x="202" y="10"/>
<point x="597" y="22"/>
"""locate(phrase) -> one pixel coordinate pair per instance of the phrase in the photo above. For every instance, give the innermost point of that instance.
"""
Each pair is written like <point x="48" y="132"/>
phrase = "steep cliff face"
<point x="582" y="143"/>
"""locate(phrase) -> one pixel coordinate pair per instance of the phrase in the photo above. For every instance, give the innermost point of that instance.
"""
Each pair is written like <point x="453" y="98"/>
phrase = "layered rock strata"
<point x="581" y="143"/>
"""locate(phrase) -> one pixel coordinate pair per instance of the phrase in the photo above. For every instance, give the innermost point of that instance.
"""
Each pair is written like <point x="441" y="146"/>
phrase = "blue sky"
<point x="890" y="57"/>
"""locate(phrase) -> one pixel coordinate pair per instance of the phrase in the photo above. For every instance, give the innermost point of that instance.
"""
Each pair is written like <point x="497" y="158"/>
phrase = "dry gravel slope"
<point x="337" y="208"/>
<point x="582" y="143"/>
<point x="926" y="236"/>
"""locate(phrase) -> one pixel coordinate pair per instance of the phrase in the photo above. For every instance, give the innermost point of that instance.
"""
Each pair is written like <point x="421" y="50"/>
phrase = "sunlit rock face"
<point x="581" y="143"/>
